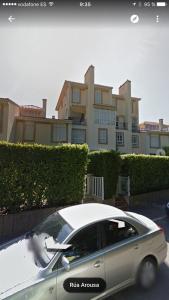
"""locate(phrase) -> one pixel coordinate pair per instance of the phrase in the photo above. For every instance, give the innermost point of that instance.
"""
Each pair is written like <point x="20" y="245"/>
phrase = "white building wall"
<point x="3" y="134"/>
<point x="13" y="112"/>
<point x="127" y="109"/>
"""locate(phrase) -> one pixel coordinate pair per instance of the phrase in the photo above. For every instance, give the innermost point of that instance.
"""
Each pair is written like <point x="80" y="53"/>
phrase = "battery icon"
<point x="161" y="4"/>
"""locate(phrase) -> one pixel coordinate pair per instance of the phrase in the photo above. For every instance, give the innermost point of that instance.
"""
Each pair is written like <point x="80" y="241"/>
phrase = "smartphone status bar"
<point x="83" y="4"/>
<point x="85" y="13"/>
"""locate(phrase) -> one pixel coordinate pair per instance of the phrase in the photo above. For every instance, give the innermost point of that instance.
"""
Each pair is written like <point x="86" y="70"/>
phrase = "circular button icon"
<point x="134" y="19"/>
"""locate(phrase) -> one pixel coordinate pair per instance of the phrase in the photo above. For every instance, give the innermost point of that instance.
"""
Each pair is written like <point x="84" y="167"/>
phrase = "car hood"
<point x="17" y="264"/>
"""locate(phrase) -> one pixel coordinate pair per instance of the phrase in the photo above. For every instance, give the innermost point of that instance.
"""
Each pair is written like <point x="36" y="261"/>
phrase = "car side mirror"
<point x="65" y="263"/>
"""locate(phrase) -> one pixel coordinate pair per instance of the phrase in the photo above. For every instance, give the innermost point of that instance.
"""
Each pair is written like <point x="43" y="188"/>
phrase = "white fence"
<point x="98" y="187"/>
<point x="95" y="187"/>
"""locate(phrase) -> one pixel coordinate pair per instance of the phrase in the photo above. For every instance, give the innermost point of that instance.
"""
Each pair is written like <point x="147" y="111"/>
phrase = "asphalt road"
<point x="161" y="289"/>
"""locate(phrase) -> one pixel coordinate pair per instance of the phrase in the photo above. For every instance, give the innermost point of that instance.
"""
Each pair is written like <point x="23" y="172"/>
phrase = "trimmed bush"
<point x="107" y="164"/>
<point x="36" y="175"/>
<point x="147" y="173"/>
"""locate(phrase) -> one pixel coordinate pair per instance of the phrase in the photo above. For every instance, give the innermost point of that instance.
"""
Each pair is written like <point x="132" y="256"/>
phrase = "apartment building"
<point x="100" y="118"/>
<point x="154" y="126"/>
<point x="29" y="124"/>
<point x="154" y="136"/>
<point x="87" y="113"/>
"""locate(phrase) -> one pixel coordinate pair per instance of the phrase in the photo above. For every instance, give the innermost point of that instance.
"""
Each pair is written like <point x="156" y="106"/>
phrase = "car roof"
<point x="80" y="215"/>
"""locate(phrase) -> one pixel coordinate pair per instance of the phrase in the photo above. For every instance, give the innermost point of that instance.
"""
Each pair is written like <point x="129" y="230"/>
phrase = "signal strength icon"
<point x="134" y="3"/>
<point x="51" y="4"/>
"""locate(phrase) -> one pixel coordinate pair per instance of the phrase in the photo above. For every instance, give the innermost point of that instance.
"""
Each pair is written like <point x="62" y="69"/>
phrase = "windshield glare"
<point x="54" y="226"/>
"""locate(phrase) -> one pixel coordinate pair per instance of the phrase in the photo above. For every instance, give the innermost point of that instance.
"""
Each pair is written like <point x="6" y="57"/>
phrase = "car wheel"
<point x="147" y="273"/>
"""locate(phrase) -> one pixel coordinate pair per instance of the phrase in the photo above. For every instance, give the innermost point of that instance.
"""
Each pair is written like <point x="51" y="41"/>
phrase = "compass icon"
<point x="134" y="19"/>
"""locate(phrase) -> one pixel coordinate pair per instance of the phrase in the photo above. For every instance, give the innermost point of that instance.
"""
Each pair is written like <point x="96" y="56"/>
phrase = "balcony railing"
<point x="165" y="129"/>
<point x="121" y="125"/>
<point x="135" y="128"/>
<point x="79" y="122"/>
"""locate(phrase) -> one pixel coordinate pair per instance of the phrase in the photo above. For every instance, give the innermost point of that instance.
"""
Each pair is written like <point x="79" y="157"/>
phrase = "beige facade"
<point x="29" y="124"/>
<point x="87" y="113"/>
<point x="42" y="131"/>
<point x="105" y="120"/>
<point x="9" y="110"/>
<point x="100" y="118"/>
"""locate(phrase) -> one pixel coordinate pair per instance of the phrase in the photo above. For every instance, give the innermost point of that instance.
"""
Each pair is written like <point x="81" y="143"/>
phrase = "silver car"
<point x="82" y="242"/>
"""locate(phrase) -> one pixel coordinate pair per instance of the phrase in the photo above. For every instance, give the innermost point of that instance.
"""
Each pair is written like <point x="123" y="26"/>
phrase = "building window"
<point x="154" y="141"/>
<point x="134" y="124"/>
<point x="1" y="118"/>
<point x="76" y="95"/>
<point x="120" y="123"/>
<point x="78" y="136"/>
<point x="135" y="140"/>
<point x="59" y="133"/>
<point x="120" y="138"/>
<point x="104" y="117"/>
<point x="103" y="136"/>
<point x="29" y="131"/>
<point x="98" y="97"/>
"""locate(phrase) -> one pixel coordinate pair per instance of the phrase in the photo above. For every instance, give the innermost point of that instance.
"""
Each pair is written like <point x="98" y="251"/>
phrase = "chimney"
<point x="44" y="105"/>
<point x="125" y="89"/>
<point x="161" y="124"/>
<point x="89" y="75"/>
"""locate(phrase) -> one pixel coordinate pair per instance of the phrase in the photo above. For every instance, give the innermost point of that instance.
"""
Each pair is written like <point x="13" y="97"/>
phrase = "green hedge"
<point x="35" y="175"/>
<point x="147" y="173"/>
<point x="107" y="164"/>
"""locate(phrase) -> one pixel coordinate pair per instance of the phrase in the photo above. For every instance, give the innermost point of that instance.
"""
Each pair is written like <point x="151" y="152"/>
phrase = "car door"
<point x="86" y="261"/>
<point x="120" y="253"/>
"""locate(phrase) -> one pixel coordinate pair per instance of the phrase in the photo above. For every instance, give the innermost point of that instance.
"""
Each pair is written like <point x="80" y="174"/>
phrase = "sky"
<point x="35" y="61"/>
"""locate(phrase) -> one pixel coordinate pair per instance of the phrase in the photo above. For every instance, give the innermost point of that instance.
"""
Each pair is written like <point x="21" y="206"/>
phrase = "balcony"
<point x="121" y="125"/>
<point x="79" y="122"/>
<point x="135" y="128"/>
<point x="78" y="119"/>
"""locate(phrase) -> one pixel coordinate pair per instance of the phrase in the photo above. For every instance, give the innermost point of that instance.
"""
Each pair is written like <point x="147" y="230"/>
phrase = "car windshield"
<point x="54" y="226"/>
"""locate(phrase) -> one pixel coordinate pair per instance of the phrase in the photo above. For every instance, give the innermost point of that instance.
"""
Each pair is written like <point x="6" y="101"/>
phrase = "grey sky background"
<point x="34" y="63"/>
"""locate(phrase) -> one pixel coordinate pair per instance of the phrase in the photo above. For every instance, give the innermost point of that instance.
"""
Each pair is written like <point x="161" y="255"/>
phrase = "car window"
<point x="53" y="226"/>
<point x="114" y="232"/>
<point x="84" y="243"/>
